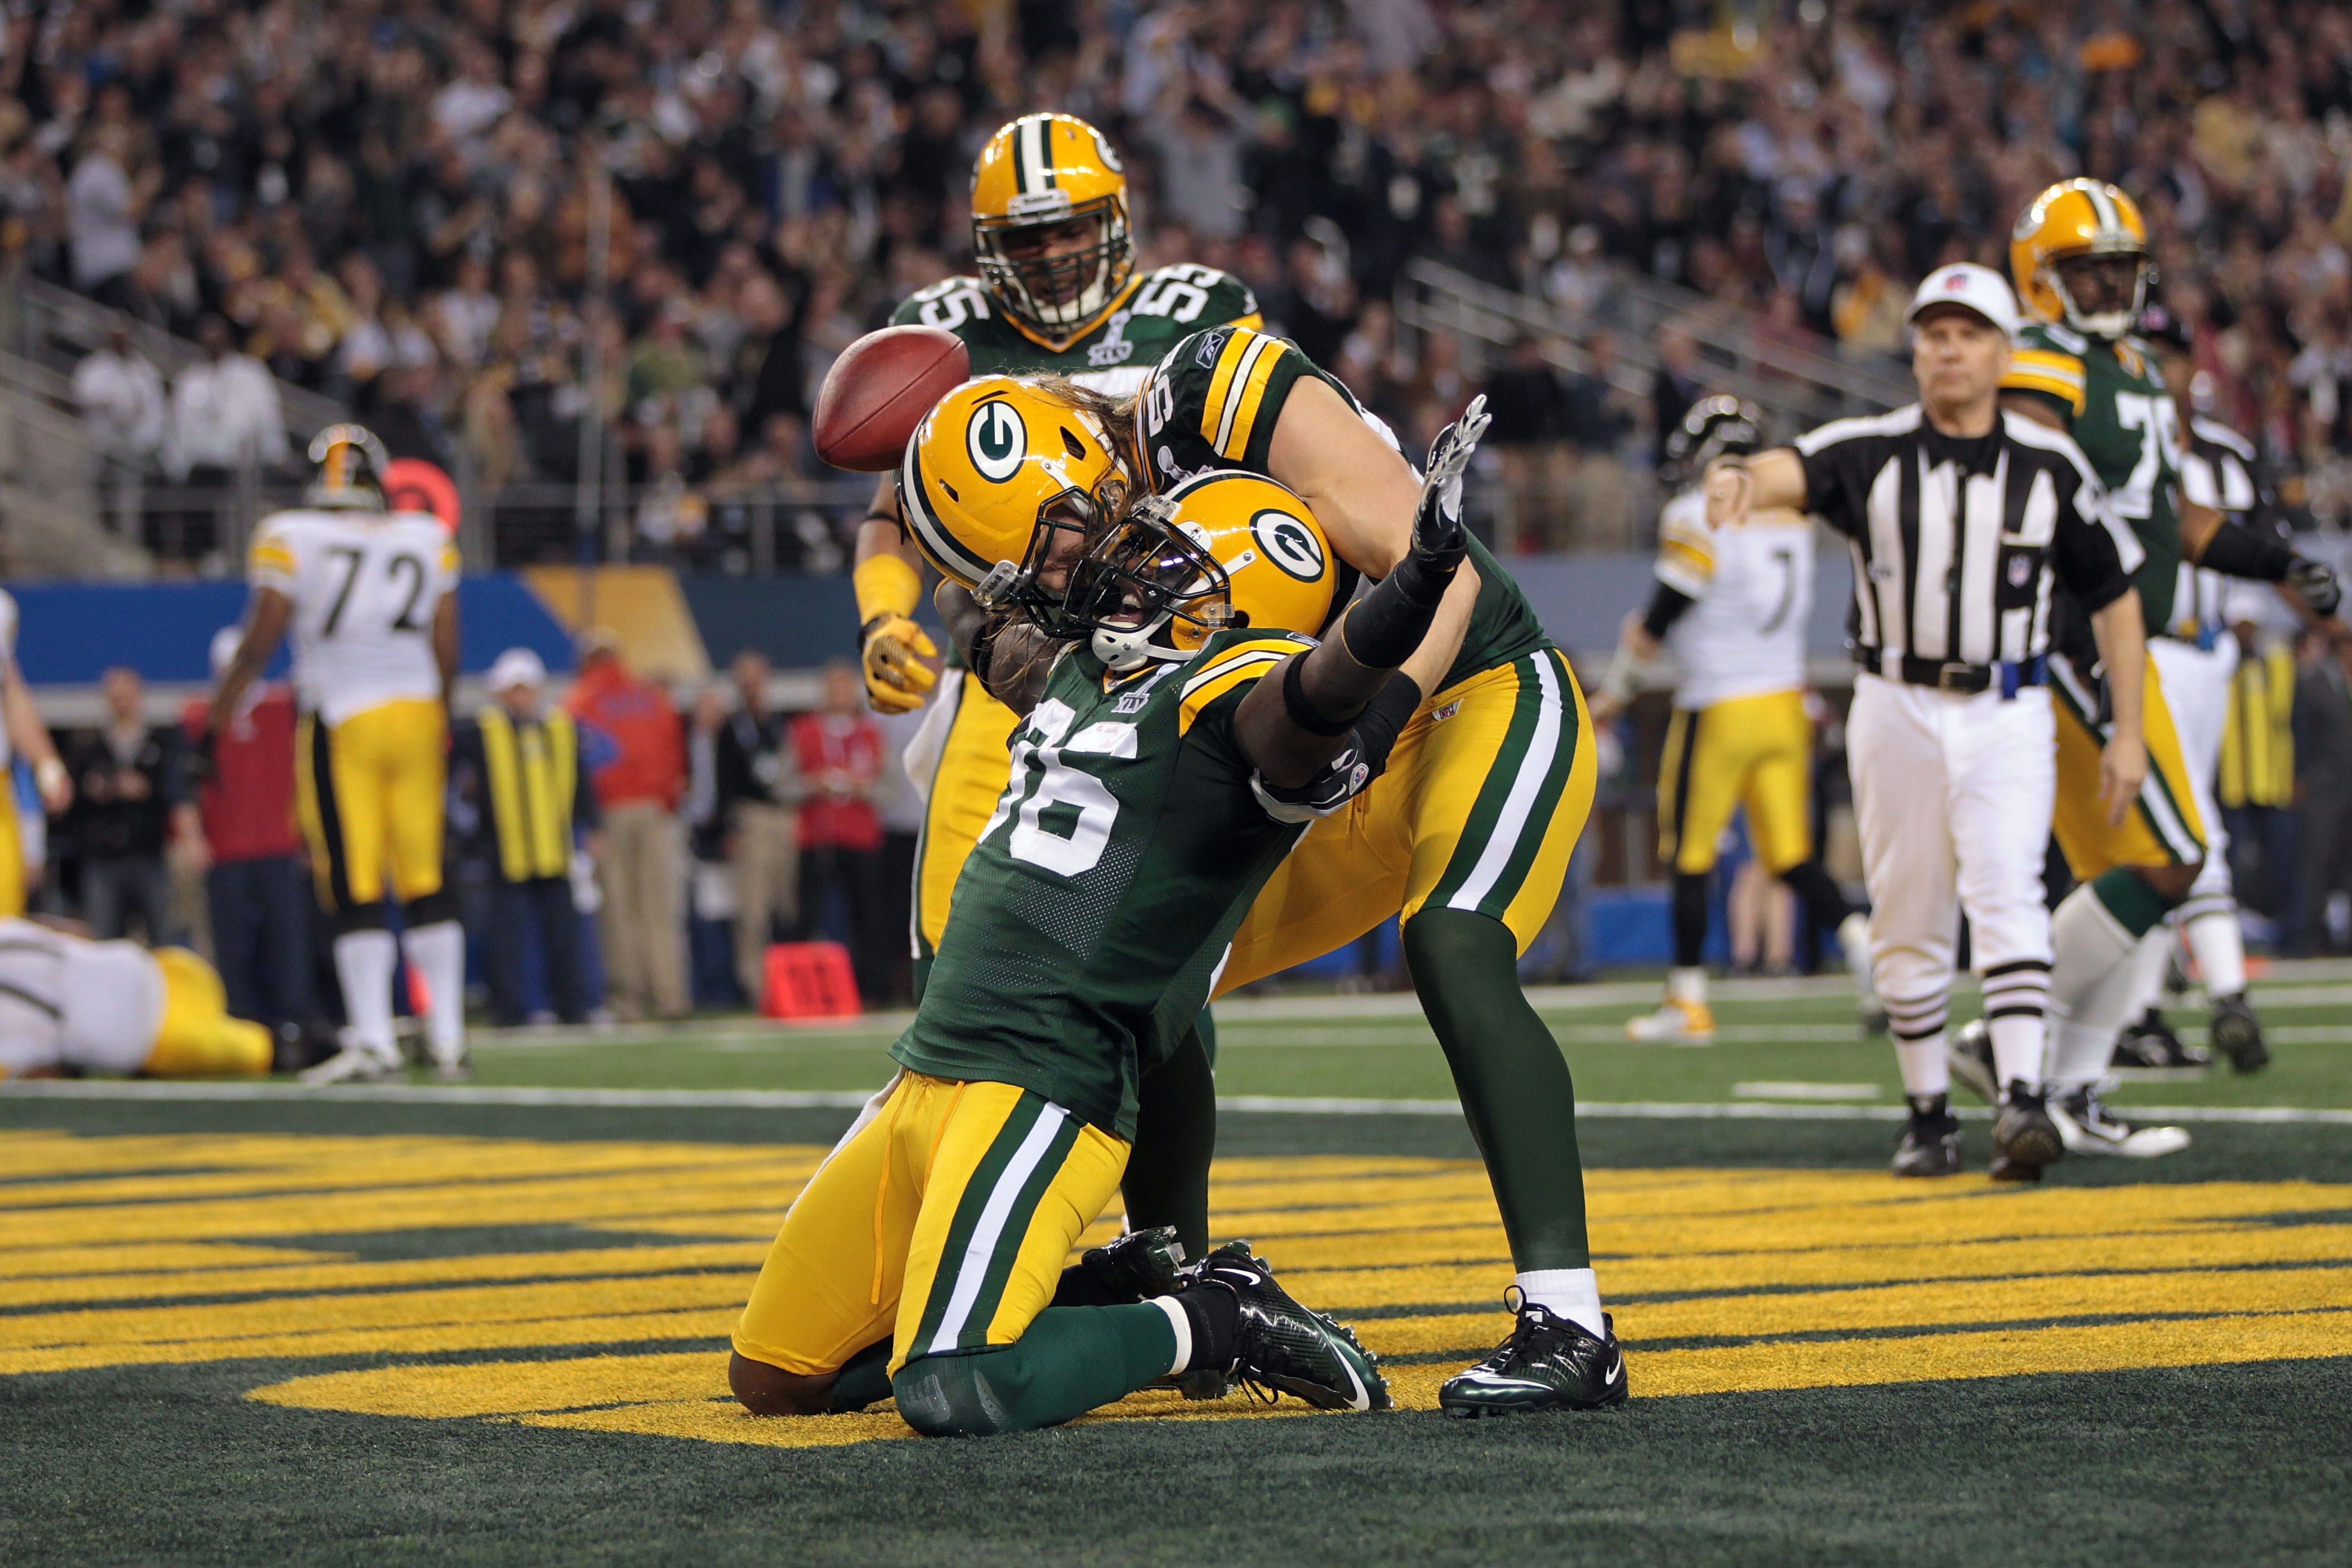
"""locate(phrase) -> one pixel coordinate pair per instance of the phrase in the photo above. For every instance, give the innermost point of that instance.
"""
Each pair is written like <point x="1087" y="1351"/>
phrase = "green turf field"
<point x="409" y="1324"/>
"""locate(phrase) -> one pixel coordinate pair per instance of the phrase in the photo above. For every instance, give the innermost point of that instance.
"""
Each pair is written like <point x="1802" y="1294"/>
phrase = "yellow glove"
<point x="892" y="657"/>
<point x="887" y="587"/>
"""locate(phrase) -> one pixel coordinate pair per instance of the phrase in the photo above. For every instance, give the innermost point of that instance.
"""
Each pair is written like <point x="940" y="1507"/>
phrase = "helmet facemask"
<point x="1056" y="294"/>
<point x="2110" y="324"/>
<point x="1148" y="590"/>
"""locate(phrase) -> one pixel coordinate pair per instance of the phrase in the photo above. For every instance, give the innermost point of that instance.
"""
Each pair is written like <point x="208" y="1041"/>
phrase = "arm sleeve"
<point x="1686" y="547"/>
<point x="1667" y="603"/>
<point x="269" y="562"/>
<point x="1826" y="459"/>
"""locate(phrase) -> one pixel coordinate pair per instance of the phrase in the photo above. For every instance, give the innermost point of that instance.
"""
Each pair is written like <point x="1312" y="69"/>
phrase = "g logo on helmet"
<point x="1109" y="159"/>
<point x="1291" y="544"/>
<point x="997" y="440"/>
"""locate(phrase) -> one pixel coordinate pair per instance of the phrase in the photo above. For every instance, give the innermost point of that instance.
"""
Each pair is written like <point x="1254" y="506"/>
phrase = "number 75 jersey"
<point x="365" y="586"/>
<point x="1752" y="587"/>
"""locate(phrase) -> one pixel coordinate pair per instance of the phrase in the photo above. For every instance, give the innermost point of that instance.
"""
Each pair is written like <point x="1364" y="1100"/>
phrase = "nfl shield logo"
<point x="2021" y="571"/>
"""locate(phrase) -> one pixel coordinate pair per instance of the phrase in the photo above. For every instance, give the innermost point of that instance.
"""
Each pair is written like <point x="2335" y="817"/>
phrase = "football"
<point x="878" y="390"/>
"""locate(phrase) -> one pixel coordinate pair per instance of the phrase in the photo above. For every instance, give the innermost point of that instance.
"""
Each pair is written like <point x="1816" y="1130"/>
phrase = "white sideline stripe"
<point x="853" y="1099"/>
<point x="980" y="1250"/>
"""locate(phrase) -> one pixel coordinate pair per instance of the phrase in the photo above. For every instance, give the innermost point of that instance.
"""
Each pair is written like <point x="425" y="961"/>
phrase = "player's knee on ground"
<point x="949" y="1396"/>
<point x="765" y="1390"/>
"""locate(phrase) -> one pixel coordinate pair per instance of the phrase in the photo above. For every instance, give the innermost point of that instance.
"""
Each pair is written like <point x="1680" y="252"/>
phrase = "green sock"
<point x="1070" y="1361"/>
<point x="864" y="1380"/>
<point x="1513" y="1081"/>
<point x="1167" y="1179"/>
<point x="2128" y="895"/>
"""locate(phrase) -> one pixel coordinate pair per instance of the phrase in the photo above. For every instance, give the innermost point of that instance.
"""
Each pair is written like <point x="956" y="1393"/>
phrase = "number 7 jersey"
<point x="365" y="586"/>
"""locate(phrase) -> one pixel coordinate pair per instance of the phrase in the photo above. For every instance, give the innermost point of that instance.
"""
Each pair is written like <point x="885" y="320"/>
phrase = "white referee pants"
<point x="2196" y="691"/>
<point x="1953" y="795"/>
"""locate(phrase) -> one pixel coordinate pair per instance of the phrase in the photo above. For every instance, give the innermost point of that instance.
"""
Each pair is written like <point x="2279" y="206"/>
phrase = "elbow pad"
<point x="1350" y="772"/>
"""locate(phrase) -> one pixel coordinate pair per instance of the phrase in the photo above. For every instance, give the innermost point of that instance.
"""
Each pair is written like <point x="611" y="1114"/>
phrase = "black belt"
<point x="1966" y="680"/>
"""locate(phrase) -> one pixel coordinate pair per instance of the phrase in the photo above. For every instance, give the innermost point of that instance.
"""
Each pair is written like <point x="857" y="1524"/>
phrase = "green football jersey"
<point x="1155" y="309"/>
<point x="1091" y="917"/>
<point x="2112" y="400"/>
<point x="1213" y="401"/>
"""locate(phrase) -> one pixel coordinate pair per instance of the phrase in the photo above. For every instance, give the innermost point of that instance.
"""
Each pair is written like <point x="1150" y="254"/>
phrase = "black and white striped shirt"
<point x="1955" y="540"/>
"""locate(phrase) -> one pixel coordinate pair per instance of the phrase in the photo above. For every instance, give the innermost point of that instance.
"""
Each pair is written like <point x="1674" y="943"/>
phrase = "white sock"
<point x="438" y="951"/>
<point x="2147" y="968"/>
<point x="1687" y="987"/>
<point x="2018" y="1043"/>
<point x="1183" y="1323"/>
<point x="2220" y="945"/>
<point x="1571" y="1294"/>
<point x="2092" y="977"/>
<point x="1853" y="940"/>
<point x="1926" y="1072"/>
<point x="364" y="961"/>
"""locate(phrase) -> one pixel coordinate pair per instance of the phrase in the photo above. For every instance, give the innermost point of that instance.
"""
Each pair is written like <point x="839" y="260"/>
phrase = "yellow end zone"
<point x="454" y="1254"/>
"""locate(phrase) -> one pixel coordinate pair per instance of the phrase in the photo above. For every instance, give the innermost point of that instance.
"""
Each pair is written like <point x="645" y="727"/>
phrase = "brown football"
<point x="878" y="390"/>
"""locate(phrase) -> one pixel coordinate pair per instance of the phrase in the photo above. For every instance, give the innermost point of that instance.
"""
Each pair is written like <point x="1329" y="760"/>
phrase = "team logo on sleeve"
<point x="1289" y="544"/>
<point x="997" y="439"/>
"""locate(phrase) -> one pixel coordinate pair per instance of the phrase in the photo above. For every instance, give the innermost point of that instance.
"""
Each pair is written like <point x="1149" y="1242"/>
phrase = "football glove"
<point x="2316" y="581"/>
<point x="1438" y="539"/>
<point x="891" y="649"/>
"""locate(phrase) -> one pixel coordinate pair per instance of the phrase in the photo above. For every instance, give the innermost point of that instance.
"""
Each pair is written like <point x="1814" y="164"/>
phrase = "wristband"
<point x="1302" y="712"/>
<point x="2235" y="550"/>
<point x="885" y="585"/>
<point x="48" y="774"/>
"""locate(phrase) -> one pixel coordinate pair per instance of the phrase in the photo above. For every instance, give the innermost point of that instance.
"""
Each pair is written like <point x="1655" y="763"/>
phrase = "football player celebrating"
<point x="370" y="597"/>
<point x="1161" y="769"/>
<point x="1732" y="603"/>
<point x="1467" y="837"/>
<point x="1057" y="292"/>
<point x="2079" y="256"/>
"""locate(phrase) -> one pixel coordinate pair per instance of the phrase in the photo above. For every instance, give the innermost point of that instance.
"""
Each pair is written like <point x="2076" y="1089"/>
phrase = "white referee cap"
<point x="1978" y="288"/>
<point x="516" y="667"/>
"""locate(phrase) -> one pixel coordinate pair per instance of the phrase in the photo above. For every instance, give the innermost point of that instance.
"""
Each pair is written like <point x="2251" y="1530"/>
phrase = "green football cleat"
<point x="1548" y="1363"/>
<point x="1284" y="1348"/>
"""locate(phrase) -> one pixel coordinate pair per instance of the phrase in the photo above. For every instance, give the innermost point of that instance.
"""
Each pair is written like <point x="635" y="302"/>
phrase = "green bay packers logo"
<point x="1109" y="159"/>
<point x="997" y="440"/>
<point x="1291" y="544"/>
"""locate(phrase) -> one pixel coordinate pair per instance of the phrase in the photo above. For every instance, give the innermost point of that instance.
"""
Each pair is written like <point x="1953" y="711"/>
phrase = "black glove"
<point x="1438" y="539"/>
<point x="2316" y="581"/>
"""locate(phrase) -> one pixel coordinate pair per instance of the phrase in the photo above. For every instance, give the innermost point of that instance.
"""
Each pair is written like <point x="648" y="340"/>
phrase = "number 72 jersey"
<point x="365" y="586"/>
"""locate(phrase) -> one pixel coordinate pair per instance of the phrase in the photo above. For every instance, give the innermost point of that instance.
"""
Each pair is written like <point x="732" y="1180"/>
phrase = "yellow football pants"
<point x="942" y="1220"/>
<point x="1484" y="795"/>
<point x="972" y="772"/>
<point x="368" y="793"/>
<point x="197" y="1038"/>
<point x="12" y="858"/>
<point x="1752" y="751"/>
<point x="2162" y="827"/>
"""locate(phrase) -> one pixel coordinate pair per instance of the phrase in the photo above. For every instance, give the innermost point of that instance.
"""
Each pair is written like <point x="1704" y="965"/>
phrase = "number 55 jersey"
<point x="369" y="759"/>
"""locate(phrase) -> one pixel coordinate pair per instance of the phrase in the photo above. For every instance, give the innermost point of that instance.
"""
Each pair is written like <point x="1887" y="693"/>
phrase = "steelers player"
<point x="1466" y="839"/>
<point x="67" y="1004"/>
<point x="22" y="733"/>
<point x="1175" y="743"/>
<point x="2079" y="256"/>
<point x="1732" y="604"/>
<point x="370" y="597"/>
<point x="1057" y="292"/>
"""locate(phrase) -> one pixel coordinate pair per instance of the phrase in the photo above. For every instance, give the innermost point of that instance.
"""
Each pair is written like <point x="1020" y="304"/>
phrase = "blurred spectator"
<point x="106" y="202"/>
<point x="1531" y="411"/>
<point x="638" y="793"/>
<point x="711" y="886"/>
<point x="2323" y="768"/>
<point x="257" y="884"/>
<point x="839" y="748"/>
<point x="1598" y="420"/>
<point x="759" y="792"/>
<point x="1673" y="386"/>
<point x="899" y="808"/>
<point x="121" y="397"/>
<point x="225" y="417"/>
<point x="127" y="787"/>
<point x="520" y="761"/>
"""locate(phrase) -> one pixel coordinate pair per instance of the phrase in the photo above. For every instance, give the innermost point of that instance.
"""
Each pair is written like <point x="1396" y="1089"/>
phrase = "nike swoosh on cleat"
<point x="1616" y="1371"/>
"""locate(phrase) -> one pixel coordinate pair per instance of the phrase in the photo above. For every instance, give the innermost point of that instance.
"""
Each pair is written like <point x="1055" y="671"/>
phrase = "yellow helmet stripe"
<point x="944" y="547"/>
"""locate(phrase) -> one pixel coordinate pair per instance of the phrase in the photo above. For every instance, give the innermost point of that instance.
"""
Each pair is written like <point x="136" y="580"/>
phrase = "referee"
<point x="1959" y="517"/>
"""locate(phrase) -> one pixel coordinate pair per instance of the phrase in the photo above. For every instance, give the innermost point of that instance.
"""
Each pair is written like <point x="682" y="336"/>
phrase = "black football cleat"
<point x="1549" y="1362"/>
<point x="2238" y="1033"/>
<point x="1968" y="1052"/>
<point x="1283" y="1348"/>
<point x="1138" y="1265"/>
<point x="1931" y="1143"/>
<point x="2090" y="1128"/>
<point x="2150" y="1042"/>
<point x="2024" y="1138"/>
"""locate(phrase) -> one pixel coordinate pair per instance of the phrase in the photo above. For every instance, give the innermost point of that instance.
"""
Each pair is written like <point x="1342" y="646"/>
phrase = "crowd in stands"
<point x="399" y="205"/>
